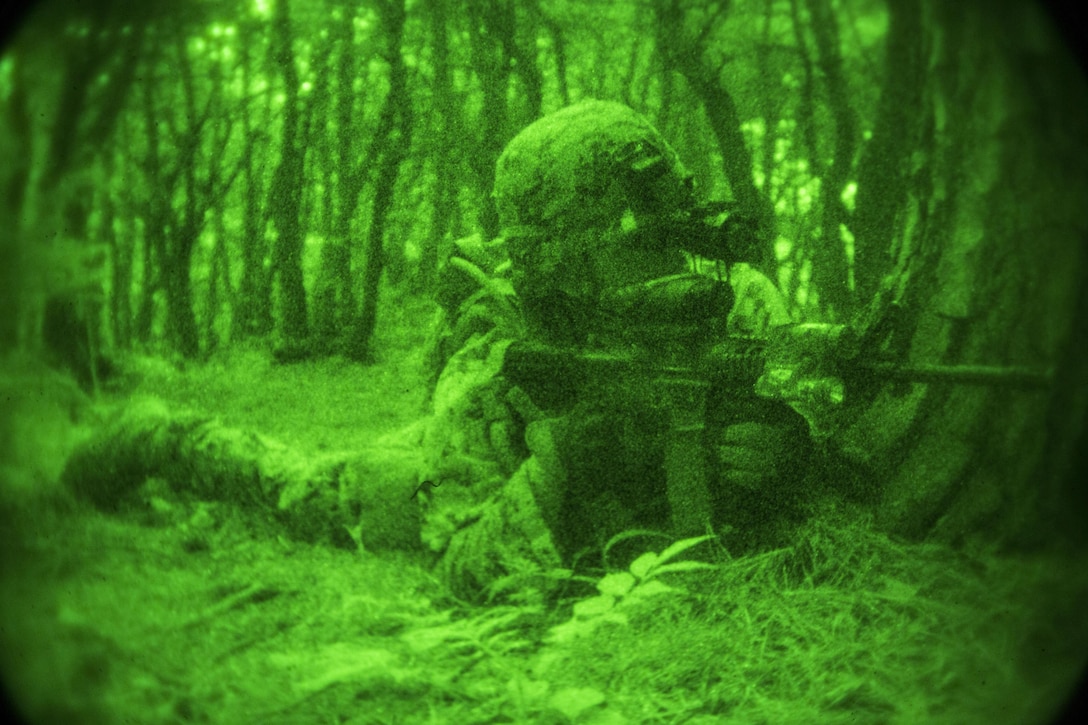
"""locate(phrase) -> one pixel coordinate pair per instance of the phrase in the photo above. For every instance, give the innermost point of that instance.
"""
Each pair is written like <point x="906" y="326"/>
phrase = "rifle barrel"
<point x="1006" y="377"/>
<point x="742" y="363"/>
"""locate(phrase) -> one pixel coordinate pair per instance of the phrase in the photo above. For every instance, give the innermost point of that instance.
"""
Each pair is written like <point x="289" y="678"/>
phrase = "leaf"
<point x="496" y="619"/>
<point x="507" y="642"/>
<point x="594" y="606"/>
<point x="642" y="566"/>
<point x="681" y="546"/>
<point x="653" y="588"/>
<point x="572" y="701"/>
<point x="421" y="640"/>
<point x="631" y="534"/>
<point x="344" y="662"/>
<point x="683" y="566"/>
<point x="559" y="574"/>
<point x="617" y="585"/>
<point x="501" y="291"/>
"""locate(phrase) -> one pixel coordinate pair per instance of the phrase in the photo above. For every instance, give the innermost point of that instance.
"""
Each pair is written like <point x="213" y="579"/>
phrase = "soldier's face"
<point x="627" y="256"/>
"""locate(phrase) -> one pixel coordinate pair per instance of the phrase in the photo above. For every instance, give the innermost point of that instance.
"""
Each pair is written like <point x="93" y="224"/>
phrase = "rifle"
<point x="819" y="370"/>
<point x="795" y="361"/>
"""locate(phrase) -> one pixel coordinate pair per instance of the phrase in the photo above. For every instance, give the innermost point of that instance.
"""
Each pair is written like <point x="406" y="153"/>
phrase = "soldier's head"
<point x="585" y="196"/>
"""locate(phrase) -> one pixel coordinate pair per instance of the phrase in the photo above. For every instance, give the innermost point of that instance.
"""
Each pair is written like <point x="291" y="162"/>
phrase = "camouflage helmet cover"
<point x="584" y="166"/>
<point x="563" y="190"/>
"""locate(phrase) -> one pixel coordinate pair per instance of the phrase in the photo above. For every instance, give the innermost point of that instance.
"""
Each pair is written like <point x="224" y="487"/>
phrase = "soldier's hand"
<point x="756" y="456"/>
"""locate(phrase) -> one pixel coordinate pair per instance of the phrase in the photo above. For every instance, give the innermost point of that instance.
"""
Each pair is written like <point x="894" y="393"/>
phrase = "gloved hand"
<point x="760" y="481"/>
<point x="758" y="456"/>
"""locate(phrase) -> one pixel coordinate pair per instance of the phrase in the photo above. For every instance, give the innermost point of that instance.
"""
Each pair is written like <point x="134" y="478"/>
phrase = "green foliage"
<point x="494" y="642"/>
<point x="189" y="130"/>
<point x="340" y="662"/>
<point x="494" y="632"/>
<point x="535" y="701"/>
<point x="621" y="592"/>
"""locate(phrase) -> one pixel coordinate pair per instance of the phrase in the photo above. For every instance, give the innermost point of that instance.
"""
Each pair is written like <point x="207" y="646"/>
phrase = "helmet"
<point x="571" y="190"/>
<point x="586" y="165"/>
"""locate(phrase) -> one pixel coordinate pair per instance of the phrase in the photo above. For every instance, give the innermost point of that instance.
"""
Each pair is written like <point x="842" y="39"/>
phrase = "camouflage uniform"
<point x="592" y="200"/>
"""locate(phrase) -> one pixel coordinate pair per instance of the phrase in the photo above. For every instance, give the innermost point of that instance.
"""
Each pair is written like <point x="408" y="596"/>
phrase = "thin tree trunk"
<point x="394" y="135"/>
<point x="181" y="323"/>
<point x="285" y="194"/>
<point x="156" y="215"/>
<point x="334" y="298"/>
<point x="883" y="172"/>
<point x="725" y="124"/>
<point x="122" y="247"/>
<point x="13" y="200"/>
<point x="831" y="268"/>
<point x="181" y="318"/>
<point x="447" y="126"/>
<point x="253" y="311"/>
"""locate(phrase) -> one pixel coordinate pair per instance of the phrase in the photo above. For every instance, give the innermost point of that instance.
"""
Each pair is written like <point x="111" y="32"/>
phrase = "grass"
<point x="122" y="619"/>
<point x="844" y="626"/>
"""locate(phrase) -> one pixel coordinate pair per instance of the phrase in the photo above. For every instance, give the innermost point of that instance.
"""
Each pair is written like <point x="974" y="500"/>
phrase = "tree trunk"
<point x="99" y="70"/>
<point x="993" y="235"/>
<point x="285" y="195"/>
<point x="447" y="125"/>
<point x="725" y="124"/>
<point x="831" y="267"/>
<point x="149" y="276"/>
<point x="122" y="248"/>
<point x="219" y="286"/>
<point x="181" y="325"/>
<point x="180" y="317"/>
<point x="394" y="136"/>
<point x="334" y="297"/>
<point x="13" y="194"/>
<point x="496" y="56"/>
<point x="156" y="215"/>
<point x="883" y="169"/>
<point x="559" y="45"/>
<point x="253" y="311"/>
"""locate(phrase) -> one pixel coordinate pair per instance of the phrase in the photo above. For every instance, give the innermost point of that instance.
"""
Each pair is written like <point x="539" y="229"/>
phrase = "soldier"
<point x="604" y="249"/>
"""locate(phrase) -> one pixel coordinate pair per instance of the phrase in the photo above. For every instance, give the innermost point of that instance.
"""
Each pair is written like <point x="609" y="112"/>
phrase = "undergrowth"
<point x="845" y="625"/>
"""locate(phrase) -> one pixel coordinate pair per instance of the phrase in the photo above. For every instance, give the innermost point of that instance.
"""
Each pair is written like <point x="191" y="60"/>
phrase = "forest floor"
<point x="122" y="619"/>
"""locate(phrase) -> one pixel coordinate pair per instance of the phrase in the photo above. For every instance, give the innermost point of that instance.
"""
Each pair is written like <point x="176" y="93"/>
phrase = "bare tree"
<point x="687" y="55"/>
<point x="394" y="129"/>
<point x="285" y="192"/>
